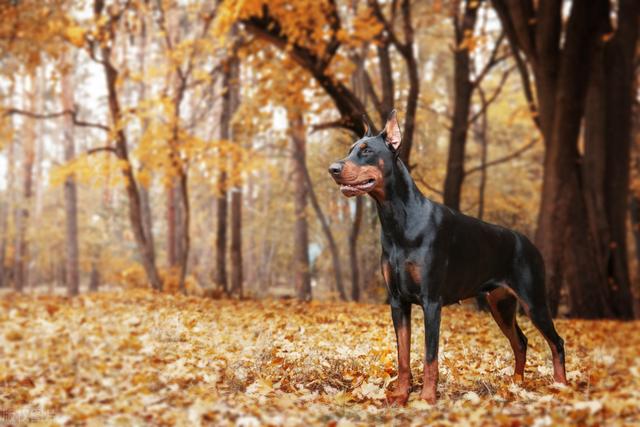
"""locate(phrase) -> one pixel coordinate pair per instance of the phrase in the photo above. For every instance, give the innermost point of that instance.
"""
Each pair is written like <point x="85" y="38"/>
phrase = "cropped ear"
<point x="391" y="132"/>
<point x="367" y="125"/>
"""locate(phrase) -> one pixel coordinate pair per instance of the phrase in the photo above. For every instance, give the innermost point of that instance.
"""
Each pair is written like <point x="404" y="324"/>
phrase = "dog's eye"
<point x="366" y="151"/>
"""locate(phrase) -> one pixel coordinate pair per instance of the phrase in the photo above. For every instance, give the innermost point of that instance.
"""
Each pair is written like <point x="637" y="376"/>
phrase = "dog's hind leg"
<point x="541" y="318"/>
<point x="530" y="291"/>
<point x="503" y="306"/>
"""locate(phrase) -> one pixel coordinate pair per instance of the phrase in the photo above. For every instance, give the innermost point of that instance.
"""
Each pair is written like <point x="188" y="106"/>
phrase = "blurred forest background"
<point x="183" y="144"/>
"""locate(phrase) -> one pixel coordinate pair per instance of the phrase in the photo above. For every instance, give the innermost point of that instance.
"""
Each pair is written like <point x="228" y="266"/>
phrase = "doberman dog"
<point x="434" y="256"/>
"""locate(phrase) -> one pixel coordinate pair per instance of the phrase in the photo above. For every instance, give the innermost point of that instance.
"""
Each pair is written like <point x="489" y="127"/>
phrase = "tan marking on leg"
<point x="386" y="272"/>
<point x="520" y="355"/>
<point x="524" y="305"/>
<point x="430" y="383"/>
<point x="414" y="271"/>
<point x="400" y="395"/>
<point x="404" y="344"/>
<point x="559" y="373"/>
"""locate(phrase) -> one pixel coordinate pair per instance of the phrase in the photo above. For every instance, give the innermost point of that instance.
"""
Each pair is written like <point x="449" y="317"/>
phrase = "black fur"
<point x="457" y="256"/>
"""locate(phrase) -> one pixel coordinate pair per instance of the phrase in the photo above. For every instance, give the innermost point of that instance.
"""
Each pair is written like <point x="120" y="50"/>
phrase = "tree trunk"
<point x="266" y="251"/>
<point x="145" y="198"/>
<point x="564" y="224"/>
<point x="221" y="233"/>
<point x="185" y="241"/>
<point x="177" y="203"/>
<point x="301" y="234"/>
<point x="94" y="278"/>
<point x="481" y="136"/>
<point x="8" y="275"/>
<point x="172" y="240"/>
<point x="236" y="243"/>
<point x="35" y="206"/>
<point x="236" y="194"/>
<point x="353" y="249"/>
<point x="634" y="213"/>
<point x="621" y="92"/>
<point x="70" y="191"/>
<point x="597" y="270"/>
<point x="634" y="204"/>
<point x="145" y="247"/>
<point x="147" y="216"/>
<point x="462" y="90"/>
<point x="297" y="128"/>
<point x="358" y="83"/>
<point x="480" y="131"/>
<point x="22" y="225"/>
<point x="411" y="107"/>
<point x="229" y="105"/>
<point x="4" y="226"/>
<point x="576" y="239"/>
<point x="7" y="207"/>
<point x="252" y="253"/>
<point x="542" y="52"/>
<point x="180" y="240"/>
<point x="146" y="250"/>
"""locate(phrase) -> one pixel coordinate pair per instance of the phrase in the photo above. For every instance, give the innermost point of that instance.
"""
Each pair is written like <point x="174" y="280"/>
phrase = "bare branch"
<point x="100" y="149"/>
<point x="388" y="27"/>
<point x="334" y="43"/>
<point x="521" y="43"/>
<point x="72" y="113"/>
<point x="91" y="50"/>
<point x="429" y="186"/>
<point x="350" y="107"/>
<point x="516" y="18"/>
<point x="494" y="96"/>
<point x="493" y="60"/>
<point x="526" y="83"/>
<point x="504" y="159"/>
<point x="340" y="123"/>
<point x="371" y="91"/>
<point x="408" y="28"/>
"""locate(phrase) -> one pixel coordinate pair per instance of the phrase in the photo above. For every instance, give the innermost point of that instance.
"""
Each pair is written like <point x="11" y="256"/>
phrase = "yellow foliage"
<point x="75" y="35"/>
<point x="171" y="281"/>
<point x="306" y="23"/>
<point x="203" y="361"/>
<point x="134" y="277"/>
<point x="6" y="130"/>
<point x="32" y="29"/>
<point x="94" y="170"/>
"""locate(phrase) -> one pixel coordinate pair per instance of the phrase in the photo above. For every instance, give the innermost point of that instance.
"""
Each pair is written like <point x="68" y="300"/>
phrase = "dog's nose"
<point x="335" y="168"/>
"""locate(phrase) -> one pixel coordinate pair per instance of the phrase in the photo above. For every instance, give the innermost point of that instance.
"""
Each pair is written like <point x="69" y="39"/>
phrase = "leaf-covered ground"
<point x="136" y="357"/>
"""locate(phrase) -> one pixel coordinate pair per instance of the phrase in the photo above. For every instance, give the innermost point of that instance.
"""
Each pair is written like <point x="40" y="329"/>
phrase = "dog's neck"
<point x="401" y="198"/>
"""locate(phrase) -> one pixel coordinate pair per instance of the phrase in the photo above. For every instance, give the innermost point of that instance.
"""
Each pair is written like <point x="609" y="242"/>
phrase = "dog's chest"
<point x="403" y="274"/>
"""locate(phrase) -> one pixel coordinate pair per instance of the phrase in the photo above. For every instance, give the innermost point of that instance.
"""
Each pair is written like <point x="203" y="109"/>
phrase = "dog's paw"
<point x="560" y="379"/>
<point x="429" y="396"/>
<point x="398" y="397"/>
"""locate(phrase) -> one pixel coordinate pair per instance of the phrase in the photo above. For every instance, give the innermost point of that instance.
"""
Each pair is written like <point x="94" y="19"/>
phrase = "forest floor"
<point x="136" y="357"/>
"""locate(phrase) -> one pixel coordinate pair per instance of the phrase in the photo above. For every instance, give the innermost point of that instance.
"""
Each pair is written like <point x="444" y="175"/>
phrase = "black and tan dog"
<point x="434" y="256"/>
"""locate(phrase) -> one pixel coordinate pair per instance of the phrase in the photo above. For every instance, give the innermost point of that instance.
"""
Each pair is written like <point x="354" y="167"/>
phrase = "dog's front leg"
<point x="401" y="315"/>
<point x="432" y="335"/>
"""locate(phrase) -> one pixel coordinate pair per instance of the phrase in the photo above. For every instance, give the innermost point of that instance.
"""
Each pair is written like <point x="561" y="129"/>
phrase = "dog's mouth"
<point x="357" y="188"/>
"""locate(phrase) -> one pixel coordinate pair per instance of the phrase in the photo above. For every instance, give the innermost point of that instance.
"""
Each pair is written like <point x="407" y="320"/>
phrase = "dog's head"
<point x="369" y="161"/>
